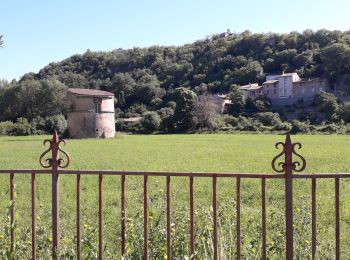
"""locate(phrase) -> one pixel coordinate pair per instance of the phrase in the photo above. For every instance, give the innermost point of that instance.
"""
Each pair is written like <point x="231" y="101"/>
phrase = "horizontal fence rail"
<point x="287" y="170"/>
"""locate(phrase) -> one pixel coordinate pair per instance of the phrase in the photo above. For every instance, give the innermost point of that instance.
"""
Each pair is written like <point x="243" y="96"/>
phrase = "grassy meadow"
<point x="198" y="152"/>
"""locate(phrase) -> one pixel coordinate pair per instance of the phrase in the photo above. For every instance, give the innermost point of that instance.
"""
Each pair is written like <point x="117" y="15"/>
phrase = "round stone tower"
<point x="90" y="113"/>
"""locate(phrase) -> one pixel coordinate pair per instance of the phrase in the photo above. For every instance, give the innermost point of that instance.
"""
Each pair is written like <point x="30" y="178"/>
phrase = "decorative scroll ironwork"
<point x="288" y="149"/>
<point x="55" y="148"/>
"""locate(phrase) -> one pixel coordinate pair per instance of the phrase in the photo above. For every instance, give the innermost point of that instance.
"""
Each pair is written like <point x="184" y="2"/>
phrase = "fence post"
<point x="55" y="164"/>
<point x="288" y="166"/>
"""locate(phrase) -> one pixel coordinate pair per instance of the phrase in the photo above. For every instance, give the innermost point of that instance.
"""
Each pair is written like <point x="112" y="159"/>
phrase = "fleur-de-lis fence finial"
<point x="54" y="147"/>
<point x="288" y="149"/>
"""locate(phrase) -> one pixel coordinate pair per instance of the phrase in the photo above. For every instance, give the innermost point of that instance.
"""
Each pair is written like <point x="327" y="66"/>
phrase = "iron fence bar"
<point x="215" y="220"/>
<point x="313" y="209"/>
<point x="33" y="217"/>
<point x="179" y="174"/>
<point x="55" y="197"/>
<point x="288" y="169"/>
<point x="183" y="174"/>
<point x="337" y="217"/>
<point x="12" y="211"/>
<point x="263" y="217"/>
<point x="145" y="217"/>
<point x="168" y="216"/>
<point x="24" y="171"/>
<point x="192" y="219"/>
<point x="238" y="216"/>
<point x="123" y="214"/>
<point x="100" y="217"/>
<point x="78" y="218"/>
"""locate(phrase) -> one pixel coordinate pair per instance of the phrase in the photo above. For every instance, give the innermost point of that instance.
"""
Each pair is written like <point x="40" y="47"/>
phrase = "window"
<point x="267" y="92"/>
<point x="285" y="91"/>
<point x="274" y="91"/>
<point x="313" y="89"/>
<point x="97" y="105"/>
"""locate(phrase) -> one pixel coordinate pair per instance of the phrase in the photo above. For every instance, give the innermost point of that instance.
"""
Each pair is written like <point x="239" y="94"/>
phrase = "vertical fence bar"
<point x="288" y="168"/>
<point x="33" y="217"/>
<point x="145" y="217"/>
<point x="313" y="209"/>
<point x="100" y="217"/>
<point x="78" y="217"/>
<point x="215" y="220"/>
<point x="192" y="220"/>
<point x="238" y="216"/>
<point x="55" y="197"/>
<point x="263" y="217"/>
<point x="123" y="213"/>
<point x="12" y="213"/>
<point x="337" y="219"/>
<point x="168" y="217"/>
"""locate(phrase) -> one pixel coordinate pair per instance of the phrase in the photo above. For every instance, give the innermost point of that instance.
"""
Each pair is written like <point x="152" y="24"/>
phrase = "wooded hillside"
<point x="145" y="78"/>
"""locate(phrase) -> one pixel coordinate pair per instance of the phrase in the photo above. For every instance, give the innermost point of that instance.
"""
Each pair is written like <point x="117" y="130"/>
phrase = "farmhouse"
<point x="90" y="113"/>
<point x="286" y="88"/>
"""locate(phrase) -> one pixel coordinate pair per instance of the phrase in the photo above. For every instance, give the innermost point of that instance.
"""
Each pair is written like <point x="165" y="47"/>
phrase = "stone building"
<point x="90" y="113"/>
<point x="286" y="88"/>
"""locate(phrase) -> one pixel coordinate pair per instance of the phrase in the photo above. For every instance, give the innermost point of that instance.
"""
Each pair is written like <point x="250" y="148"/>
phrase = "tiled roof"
<point x="90" y="92"/>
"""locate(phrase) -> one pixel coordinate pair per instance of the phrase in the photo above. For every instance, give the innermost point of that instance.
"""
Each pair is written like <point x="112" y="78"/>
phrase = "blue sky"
<point x="38" y="32"/>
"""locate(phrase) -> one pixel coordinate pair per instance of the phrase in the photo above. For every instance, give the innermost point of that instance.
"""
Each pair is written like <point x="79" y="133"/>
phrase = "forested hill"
<point x="148" y="76"/>
<point x="212" y="64"/>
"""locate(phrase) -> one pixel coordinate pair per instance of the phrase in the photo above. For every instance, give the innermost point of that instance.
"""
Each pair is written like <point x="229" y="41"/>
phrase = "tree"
<point x="186" y="100"/>
<point x="40" y="98"/>
<point x="327" y="103"/>
<point x="336" y="60"/>
<point x="1" y="41"/>
<point x="237" y="99"/>
<point x="206" y="112"/>
<point x="344" y="113"/>
<point x="260" y="104"/>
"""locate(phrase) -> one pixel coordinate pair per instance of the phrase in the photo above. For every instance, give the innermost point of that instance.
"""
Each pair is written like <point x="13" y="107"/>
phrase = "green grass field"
<point x="204" y="152"/>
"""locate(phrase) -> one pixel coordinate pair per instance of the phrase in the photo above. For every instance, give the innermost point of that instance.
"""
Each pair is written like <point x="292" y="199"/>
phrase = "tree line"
<point x="150" y="79"/>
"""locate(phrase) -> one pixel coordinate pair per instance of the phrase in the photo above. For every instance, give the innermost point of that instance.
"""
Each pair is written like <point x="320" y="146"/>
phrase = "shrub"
<point x="301" y="127"/>
<point x="6" y="128"/>
<point x="230" y="120"/>
<point x="38" y="125"/>
<point x="268" y="118"/>
<point x="57" y="122"/>
<point x="330" y="128"/>
<point x="283" y="126"/>
<point x="150" y="122"/>
<point x="21" y="127"/>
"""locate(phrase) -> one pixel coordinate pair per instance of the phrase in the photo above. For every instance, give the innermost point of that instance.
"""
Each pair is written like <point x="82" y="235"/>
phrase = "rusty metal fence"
<point x="285" y="168"/>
